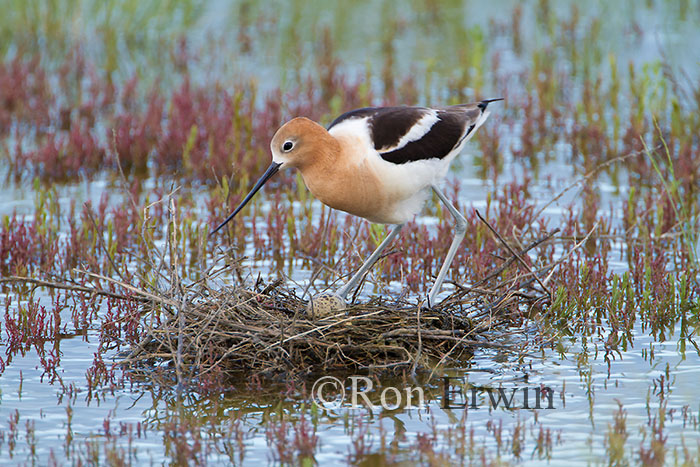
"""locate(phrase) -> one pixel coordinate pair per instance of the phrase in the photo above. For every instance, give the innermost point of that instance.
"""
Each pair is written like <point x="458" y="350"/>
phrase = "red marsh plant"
<point x="25" y="94"/>
<point x="197" y="132"/>
<point x="657" y="289"/>
<point x="69" y="155"/>
<point x="30" y="327"/>
<point x="134" y="134"/>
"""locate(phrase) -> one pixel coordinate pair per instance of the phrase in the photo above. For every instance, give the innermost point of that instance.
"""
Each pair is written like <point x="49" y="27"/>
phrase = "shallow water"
<point x="582" y="411"/>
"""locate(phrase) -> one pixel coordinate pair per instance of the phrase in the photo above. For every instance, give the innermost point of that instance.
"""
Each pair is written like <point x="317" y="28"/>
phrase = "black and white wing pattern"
<point x="407" y="134"/>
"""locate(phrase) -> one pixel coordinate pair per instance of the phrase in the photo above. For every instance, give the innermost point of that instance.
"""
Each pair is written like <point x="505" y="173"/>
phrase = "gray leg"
<point x="355" y="280"/>
<point x="460" y="230"/>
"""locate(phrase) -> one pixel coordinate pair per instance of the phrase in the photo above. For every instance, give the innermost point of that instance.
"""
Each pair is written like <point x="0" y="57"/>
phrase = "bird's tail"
<point x="483" y="104"/>
<point x="482" y="118"/>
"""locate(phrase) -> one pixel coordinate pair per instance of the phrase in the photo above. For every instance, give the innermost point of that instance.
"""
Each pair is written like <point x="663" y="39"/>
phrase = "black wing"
<point x="438" y="135"/>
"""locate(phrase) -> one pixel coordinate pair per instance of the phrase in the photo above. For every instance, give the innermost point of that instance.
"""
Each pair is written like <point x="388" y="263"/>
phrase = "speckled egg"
<point x="324" y="304"/>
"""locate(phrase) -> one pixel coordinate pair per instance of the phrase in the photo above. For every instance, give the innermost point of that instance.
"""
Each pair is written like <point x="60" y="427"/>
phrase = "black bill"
<point x="274" y="167"/>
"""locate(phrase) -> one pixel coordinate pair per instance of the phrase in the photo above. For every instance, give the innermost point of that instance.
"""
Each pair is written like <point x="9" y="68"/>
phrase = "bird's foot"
<point x="325" y="304"/>
<point x="426" y="305"/>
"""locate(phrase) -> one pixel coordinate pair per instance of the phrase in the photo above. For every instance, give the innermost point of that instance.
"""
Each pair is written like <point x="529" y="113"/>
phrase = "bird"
<point x="378" y="163"/>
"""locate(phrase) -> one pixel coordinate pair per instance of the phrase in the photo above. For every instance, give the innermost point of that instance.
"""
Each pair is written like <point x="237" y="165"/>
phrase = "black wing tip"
<point x="484" y="103"/>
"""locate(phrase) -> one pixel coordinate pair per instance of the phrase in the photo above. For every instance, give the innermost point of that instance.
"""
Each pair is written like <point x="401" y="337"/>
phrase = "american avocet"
<point x="378" y="163"/>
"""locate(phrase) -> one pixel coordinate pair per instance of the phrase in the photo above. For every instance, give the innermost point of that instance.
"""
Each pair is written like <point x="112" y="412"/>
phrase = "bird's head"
<point x="296" y="144"/>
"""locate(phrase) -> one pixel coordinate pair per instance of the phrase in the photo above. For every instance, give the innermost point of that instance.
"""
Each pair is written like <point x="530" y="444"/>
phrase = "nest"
<point x="266" y="330"/>
<point x="269" y="332"/>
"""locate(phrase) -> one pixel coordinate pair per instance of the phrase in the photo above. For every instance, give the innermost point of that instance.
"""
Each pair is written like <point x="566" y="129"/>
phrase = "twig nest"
<point x="324" y="304"/>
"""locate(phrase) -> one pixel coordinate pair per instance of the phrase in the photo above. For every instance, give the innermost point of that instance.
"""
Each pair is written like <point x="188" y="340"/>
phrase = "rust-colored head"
<point x="299" y="143"/>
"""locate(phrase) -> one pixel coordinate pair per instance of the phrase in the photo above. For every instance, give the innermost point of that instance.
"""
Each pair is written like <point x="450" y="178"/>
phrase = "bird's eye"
<point x="287" y="146"/>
